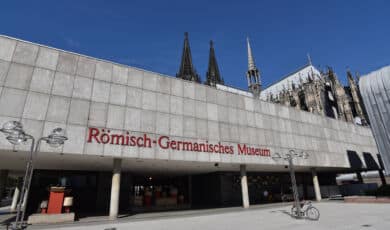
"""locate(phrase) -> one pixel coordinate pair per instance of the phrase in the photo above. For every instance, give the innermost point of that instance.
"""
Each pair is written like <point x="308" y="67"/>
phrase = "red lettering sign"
<point x="104" y="136"/>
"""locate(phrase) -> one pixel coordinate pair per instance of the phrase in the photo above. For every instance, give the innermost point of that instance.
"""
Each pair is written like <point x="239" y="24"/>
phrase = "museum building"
<point x="142" y="141"/>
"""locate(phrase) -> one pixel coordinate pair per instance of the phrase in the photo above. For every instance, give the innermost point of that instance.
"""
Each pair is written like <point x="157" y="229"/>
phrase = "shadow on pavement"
<point x="284" y="212"/>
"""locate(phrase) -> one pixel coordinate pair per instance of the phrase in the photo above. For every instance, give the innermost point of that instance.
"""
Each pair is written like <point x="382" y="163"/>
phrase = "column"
<point x="115" y="189"/>
<point x="382" y="176"/>
<point x="24" y="206"/>
<point x="244" y="187"/>
<point x="3" y="181"/>
<point x="316" y="185"/>
<point x="359" y="177"/>
<point x="15" y="197"/>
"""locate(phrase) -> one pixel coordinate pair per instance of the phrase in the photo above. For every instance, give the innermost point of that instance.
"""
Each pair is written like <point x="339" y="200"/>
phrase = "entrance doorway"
<point x="158" y="193"/>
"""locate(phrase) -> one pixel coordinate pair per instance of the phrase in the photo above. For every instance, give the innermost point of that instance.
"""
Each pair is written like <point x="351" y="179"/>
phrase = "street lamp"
<point x="13" y="130"/>
<point x="289" y="157"/>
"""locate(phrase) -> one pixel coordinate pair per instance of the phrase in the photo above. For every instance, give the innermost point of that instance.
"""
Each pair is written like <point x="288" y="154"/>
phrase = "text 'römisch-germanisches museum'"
<point x="141" y="141"/>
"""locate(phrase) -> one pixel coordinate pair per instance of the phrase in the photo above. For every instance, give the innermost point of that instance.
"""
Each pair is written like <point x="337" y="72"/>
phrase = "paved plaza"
<point x="334" y="215"/>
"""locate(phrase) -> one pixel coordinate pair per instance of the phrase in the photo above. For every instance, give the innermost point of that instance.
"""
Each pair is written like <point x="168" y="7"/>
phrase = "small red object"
<point x="56" y="200"/>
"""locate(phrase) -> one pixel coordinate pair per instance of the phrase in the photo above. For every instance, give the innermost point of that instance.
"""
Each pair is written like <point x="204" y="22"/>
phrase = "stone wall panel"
<point x="50" y="88"/>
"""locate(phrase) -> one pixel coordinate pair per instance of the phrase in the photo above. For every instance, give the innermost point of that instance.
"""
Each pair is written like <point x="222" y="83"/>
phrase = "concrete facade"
<point x="46" y="88"/>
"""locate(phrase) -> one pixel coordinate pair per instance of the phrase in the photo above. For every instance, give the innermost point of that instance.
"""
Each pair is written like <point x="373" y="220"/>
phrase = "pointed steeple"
<point x="332" y="76"/>
<point x="253" y="74"/>
<point x="351" y="80"/>
<point x="187" y="70"/>
<point x="251" y="61"/>
<point x="356" y="97"/>
<point x="213" y="76"/>
<point x="309" y="59"/>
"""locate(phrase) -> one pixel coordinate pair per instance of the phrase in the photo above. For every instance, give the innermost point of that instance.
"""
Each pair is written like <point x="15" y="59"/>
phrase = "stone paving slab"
<point x="334" y="215"/>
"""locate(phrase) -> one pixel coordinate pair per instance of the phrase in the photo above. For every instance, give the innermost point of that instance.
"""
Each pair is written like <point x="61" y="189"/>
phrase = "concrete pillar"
<point x="24" y="203"/>
<point x="15" y="199"/>
<point x="115" y="189"/>
<point x="3" y="182"/>
<point x="382" y="176"/>
<point x="244" y="187"/>
<point x="359" y="177"/>
<point x="316" y="185"/>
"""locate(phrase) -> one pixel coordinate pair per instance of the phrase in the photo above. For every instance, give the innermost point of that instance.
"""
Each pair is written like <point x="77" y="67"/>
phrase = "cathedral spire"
<point x="356" y="98"/>
<point x="309" y="59"/>
<point x="332" y="76"/>
<point x="187" y="70"/>
<point x="251" y="61"/>
<point x="213" y="76"/>
<point x="350" y="77"/>
<point x="253" y="74"/>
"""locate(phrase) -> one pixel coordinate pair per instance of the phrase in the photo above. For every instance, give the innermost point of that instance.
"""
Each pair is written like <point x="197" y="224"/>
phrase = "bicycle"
<point x="307" y="210"/>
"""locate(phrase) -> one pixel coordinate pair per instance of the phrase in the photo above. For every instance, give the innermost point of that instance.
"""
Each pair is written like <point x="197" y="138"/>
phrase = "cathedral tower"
<point x="253" y="74"/>
<point x="187" y="70"/>
<point x="356" y="97"/>
<point x="213" y="77"/>
<point x="343" y="106"/>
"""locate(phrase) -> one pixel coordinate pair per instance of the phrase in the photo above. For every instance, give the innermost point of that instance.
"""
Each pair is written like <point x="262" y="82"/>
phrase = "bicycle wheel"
<point x="294" y="211"/>
<point x="312" y="213"/>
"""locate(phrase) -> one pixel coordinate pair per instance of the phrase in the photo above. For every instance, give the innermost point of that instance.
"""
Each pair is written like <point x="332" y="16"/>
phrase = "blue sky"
<point x="149" y="34"/>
